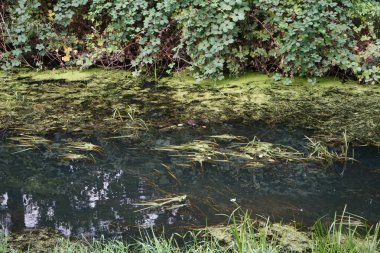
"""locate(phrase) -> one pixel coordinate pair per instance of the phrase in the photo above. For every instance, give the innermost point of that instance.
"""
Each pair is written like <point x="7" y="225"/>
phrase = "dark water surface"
<point x="75" y="198"/>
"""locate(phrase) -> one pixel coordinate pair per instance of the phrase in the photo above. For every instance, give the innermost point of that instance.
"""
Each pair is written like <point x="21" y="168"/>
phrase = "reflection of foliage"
<point x="41" y="184"/>
<point x="294" y="37"/>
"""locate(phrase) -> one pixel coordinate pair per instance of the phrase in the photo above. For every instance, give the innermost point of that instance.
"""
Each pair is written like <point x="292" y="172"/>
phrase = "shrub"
<point x="212" y="38"/>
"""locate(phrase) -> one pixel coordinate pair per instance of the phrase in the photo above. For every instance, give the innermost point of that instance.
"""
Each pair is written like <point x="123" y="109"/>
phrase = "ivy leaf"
<point x="40" y="47"/>
<point x="277" y="77"/>
<point x="312" y="81"/>
<point x="287" y="81"/>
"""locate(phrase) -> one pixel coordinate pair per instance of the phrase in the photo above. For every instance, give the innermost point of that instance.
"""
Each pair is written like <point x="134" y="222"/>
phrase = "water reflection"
<point x="63" y="228"/>
<point x="31" y="211"/>
<point x="5" y="216"/>
<point x="4" y="200"/>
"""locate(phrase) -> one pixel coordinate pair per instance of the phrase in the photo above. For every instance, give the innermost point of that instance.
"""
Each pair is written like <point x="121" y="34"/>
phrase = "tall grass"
<point x="347" y="233"/>
<point x="101" y="246"/>
<point x="4" y="246"/>
<point x="248" y="238"/>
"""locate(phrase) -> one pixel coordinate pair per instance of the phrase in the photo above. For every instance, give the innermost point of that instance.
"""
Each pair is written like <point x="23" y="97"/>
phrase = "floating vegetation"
<point x="83" y="146"/>
<point x="76" y="157"/>
<point x="171" y="174"/>
<point x="65" y="150"/>
<point x="168" y="203"/>
<point x="197" y="151"/>
<point x="228" y="137"/>
<point x="120" y="137"/>
<point x="30" y="142"/>
<point x="253" y="153"/>
<point x="74" y="146"/>
<point x="271" y="152"/>
<point x="131" y="120"/>
<point x="319" y="151"/>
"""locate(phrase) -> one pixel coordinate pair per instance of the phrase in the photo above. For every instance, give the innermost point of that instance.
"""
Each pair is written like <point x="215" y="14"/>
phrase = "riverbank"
<point x="111" y="101"/>
<point x="242" y="234"/>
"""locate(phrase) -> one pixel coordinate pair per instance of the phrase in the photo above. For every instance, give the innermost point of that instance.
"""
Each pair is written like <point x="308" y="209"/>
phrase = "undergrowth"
<point x="212" y="38"/>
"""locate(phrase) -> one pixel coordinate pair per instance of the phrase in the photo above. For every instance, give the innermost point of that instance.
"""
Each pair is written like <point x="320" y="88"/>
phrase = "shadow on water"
<point x="91" y="199"/>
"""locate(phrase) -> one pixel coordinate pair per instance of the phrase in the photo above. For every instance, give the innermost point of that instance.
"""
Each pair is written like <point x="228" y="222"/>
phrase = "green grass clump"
<point x="66" y="246"/>
<point x="4" y="245"/>
<point x="347" y="233"/>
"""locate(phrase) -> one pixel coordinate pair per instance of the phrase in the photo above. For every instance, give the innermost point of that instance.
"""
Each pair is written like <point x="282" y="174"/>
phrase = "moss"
<point x="40" y="184"/>
<point x="291" y="239"/>
<point x="68" y="75"/>
<point x="36" y="240"/>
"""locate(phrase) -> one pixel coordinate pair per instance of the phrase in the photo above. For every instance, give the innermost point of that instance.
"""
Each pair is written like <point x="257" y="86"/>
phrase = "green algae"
<point x="329" y="108"/>
<point x="68" y="75"/>
<point x="87" y="101"/>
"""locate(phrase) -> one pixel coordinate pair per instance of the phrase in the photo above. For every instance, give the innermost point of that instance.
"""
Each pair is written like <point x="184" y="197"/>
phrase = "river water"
<point x="100" y="198"/>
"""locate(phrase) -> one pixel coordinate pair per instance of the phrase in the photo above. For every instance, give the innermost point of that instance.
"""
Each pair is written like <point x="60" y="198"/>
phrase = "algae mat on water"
<point x="113" y="102"/>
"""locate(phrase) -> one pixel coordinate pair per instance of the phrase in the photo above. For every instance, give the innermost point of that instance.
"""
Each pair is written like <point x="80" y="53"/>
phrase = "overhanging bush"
<point x="295" y="37"/>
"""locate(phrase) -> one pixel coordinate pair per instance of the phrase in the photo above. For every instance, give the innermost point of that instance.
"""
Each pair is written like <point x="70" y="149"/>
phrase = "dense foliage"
<point x="293" y="37"/>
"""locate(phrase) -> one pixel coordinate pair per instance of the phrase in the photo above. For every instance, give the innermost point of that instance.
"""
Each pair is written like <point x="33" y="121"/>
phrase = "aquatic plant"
<point x="131" y="121"/>
<point x="196" y="151"/>
<point x="255" y="153"/>
<point x="228" y="137"/>
<point x="29" y="142"/>
<point x="132" y="114"/>
<point x="168" y="203"/>
<point x="83" y="146"/>
<point x="320" y="151"/>
<point x="271" y="152"/>
<point x="76" y="157"/>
